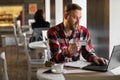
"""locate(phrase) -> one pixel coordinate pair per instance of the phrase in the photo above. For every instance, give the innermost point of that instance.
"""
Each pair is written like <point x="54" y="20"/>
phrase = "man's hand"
<point x="100" y="60"/>
<point x="72" y="48"/>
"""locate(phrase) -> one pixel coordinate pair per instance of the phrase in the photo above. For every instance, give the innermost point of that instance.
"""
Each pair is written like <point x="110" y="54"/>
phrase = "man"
<point x="62" y="50"/>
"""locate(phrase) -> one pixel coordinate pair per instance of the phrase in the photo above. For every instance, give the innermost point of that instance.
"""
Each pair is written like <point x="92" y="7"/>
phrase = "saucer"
<point x="57" y="72"/>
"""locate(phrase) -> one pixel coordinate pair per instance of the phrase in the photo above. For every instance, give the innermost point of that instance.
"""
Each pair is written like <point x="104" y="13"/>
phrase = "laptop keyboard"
<point x="96" y="67"/>
<point x="101" y="65"/>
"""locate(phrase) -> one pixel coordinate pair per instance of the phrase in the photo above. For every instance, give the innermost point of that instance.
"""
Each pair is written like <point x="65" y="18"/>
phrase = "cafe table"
<point x="70" y="73"/>
<point x="39" y="46"/>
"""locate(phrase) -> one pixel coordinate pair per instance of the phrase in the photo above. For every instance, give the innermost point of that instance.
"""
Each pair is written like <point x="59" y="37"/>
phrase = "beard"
<point x="73" y="27"/>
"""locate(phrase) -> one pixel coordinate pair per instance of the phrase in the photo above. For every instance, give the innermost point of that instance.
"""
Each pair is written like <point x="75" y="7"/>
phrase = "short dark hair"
<point x="70" y="7"/>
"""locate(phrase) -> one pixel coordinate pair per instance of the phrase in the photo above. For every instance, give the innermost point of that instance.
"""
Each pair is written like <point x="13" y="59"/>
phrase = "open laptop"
<point x="113" y="62"/>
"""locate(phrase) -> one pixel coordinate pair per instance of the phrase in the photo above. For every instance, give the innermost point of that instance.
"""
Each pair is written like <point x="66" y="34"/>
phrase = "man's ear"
<point x="65" y="15"/>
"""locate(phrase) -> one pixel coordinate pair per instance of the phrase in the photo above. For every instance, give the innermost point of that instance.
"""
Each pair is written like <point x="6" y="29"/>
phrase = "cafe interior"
<point x="21" y="60"/>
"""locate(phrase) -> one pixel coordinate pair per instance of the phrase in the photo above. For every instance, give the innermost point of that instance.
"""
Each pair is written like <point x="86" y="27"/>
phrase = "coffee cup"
<point x="57" y="68"/>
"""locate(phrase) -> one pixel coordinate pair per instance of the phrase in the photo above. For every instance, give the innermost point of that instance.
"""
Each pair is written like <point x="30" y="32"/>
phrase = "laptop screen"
<point x="115" y="58"/>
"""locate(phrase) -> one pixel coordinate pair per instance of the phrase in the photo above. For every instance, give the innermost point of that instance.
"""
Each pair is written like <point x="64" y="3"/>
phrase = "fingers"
<point x="102" y="61"/>
<point x="72" y="48"/>
<point x="99" y="60"/>
<point x="96" y="60"/>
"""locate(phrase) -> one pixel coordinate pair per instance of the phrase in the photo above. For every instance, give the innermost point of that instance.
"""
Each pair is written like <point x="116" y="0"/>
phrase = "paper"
<point x="116" y="71"/>
<point x="78" y="64"/>
<point x="65" y="71"/>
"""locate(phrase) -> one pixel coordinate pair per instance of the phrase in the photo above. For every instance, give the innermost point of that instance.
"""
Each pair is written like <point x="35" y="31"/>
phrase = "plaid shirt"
<point x="59" y="43"/>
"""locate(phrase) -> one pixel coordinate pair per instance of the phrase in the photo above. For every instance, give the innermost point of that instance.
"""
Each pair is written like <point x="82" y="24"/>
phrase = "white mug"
<point x="57" y="68"/>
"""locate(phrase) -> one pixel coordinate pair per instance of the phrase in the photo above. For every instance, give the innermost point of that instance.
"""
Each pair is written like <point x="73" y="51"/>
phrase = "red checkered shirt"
<point x="59" y="42"/>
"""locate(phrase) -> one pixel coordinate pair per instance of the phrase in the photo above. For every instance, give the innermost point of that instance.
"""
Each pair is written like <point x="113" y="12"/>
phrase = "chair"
<point x="18" y="27"/>
<point x="30" y="21"/>
<point x="4" y="66"/>
<point x="19" y="39"/>
<point x="38" y="33"/>
<point x="44" y="35"/>
<point x="46" y="41"/>
<point x="33" y="63"/>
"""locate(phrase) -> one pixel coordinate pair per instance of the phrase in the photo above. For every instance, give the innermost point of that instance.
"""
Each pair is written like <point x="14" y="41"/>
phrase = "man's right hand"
<point x="72" y="48"/>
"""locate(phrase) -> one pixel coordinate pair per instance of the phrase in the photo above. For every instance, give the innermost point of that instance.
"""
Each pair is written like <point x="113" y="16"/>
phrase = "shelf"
<point x="6" y="20"/>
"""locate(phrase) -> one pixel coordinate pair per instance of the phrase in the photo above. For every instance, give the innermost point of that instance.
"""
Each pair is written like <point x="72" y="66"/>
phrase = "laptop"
<point x="113" y="62"/>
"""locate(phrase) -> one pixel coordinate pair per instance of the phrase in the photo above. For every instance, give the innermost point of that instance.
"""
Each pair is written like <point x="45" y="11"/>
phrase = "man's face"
<point x="73" y="19"/>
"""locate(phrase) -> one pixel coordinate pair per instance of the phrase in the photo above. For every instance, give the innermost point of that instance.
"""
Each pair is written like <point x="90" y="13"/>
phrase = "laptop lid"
<point x="114" y="61"/>
<point x="115" y="58"/>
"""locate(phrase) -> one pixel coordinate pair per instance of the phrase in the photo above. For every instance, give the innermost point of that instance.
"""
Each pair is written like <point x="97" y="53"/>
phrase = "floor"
<point x="16" y="71"/>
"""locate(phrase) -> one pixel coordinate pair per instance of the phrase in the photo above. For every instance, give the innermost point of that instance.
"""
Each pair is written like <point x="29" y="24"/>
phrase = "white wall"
<point x="114" y="23"/>
<point x="58" y="11"/>
<point x="83" y="4"/>
<point x="47" y="10"/>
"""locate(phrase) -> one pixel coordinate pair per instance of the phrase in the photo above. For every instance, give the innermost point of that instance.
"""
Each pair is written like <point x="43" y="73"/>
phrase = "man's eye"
<point x="74" y="17"/>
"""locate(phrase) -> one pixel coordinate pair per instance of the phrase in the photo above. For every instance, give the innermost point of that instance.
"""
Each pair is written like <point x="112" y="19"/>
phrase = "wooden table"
<point x="75" y="74"/>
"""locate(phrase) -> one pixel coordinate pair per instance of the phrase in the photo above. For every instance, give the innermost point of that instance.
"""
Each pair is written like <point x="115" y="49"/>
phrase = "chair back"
<point x="44" y="35"/>
<point x="26" y="48"/>
<point x="37" y="34"/>
<point x="40" y="34"/>
<point x="45" y="40"/>
<point x="15" y="34"/>
<point x="48" y="50"/>
<point x="4" y="66"/>
<point x="18" y="37"/>
<point x="19" y="27"/>
<point x="30" y="21"/>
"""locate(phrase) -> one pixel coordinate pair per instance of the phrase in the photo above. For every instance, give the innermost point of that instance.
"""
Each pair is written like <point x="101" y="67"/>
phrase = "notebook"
<point x="113" y="62"/>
